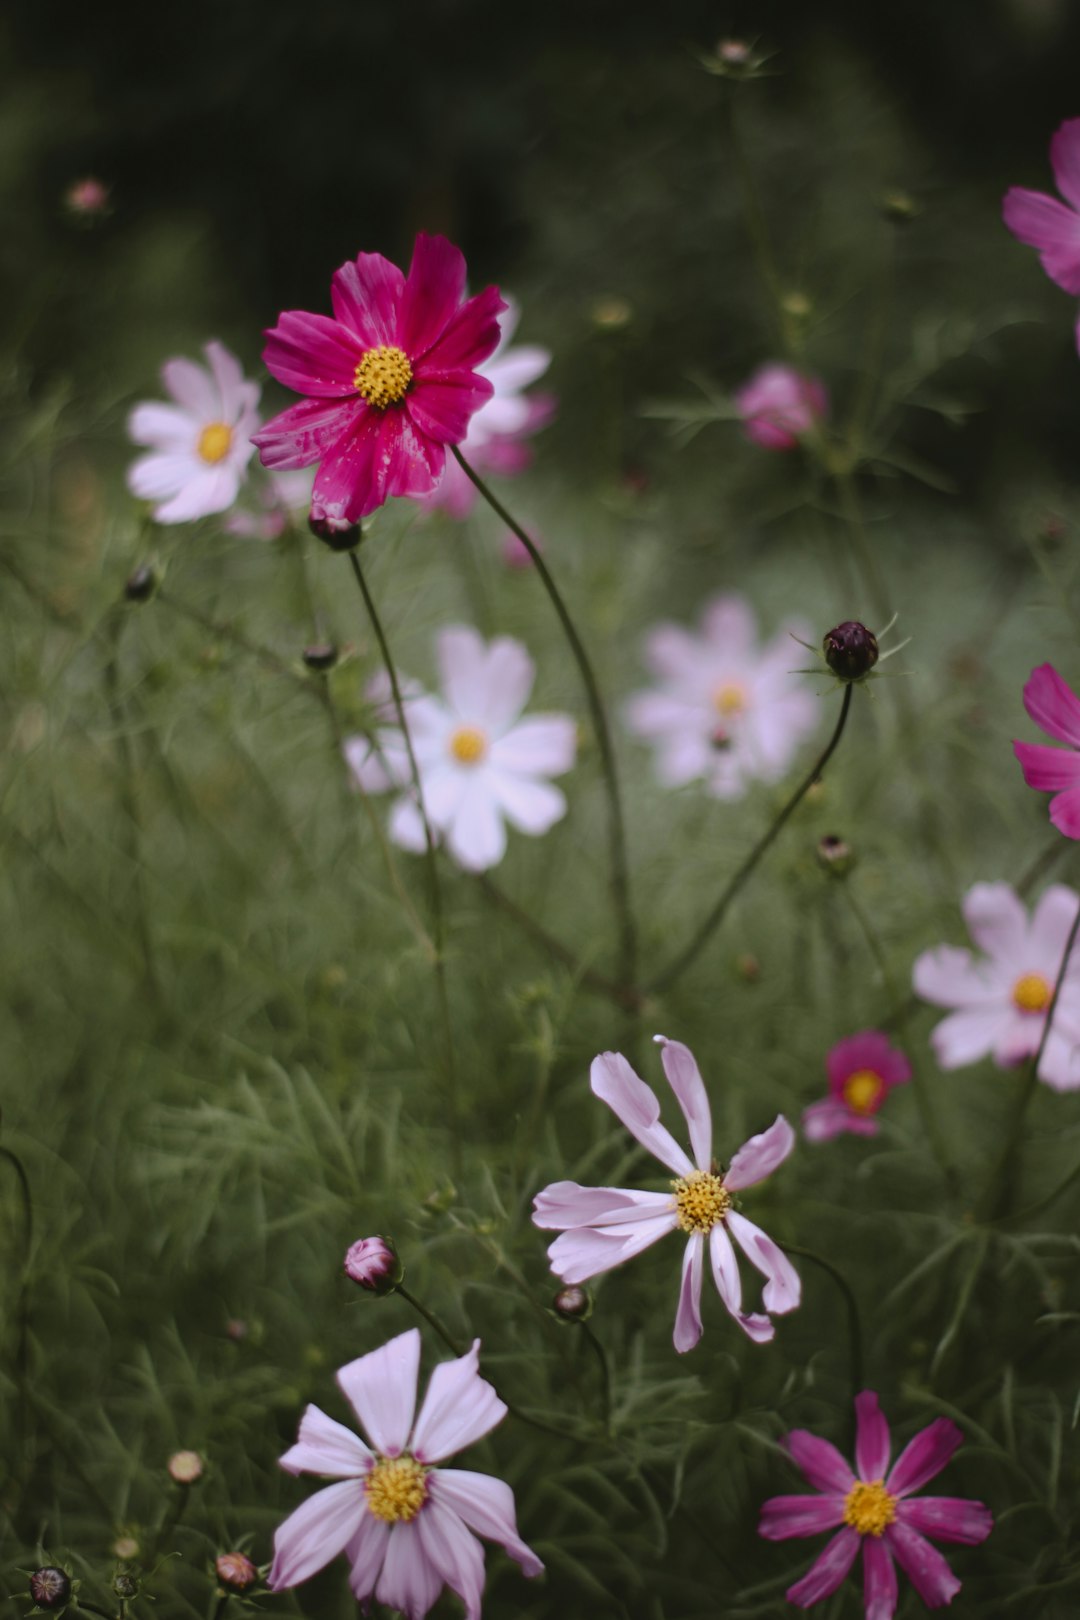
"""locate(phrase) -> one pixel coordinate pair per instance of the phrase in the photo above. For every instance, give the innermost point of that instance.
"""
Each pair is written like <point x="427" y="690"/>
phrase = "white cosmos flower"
<point x="480" y="764"/>
<point x="724" y="709"/>
<point x="201" y="444"/>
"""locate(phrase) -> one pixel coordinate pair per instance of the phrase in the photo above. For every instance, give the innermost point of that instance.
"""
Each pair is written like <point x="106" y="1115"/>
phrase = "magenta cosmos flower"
<point x="862" y="1070"/>
<point x="1000" y="999"/>
<point x="604" y="1226"/>
<point x="1046" y="224"/>
<point x="405" y="1524"/>
<point x="390" y="380"/>
<point x="872" y="1508"/>
<point x="1055" y="709"/>
<point x="780" y="405"/>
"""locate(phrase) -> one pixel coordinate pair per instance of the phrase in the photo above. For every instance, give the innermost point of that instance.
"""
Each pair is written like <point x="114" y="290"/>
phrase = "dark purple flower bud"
<point x="50" y="1587"/>
<point x="851" y="650"/>
<point x="236" y="1572"/>
<point x="334" y="532"/>
<point x="572" y="1304"/>
<point x="320" y="656"/>
<point x="373" y="1263"/>
<point x="125" y="1585"/>
<point x="835" y="855"/>
<point x="139" y="585"/>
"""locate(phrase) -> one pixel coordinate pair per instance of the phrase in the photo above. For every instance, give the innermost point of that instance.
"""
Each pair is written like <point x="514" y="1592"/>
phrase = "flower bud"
<point x="835" y="855"/>
<point x="87" y="200"/>
<point x="50" y="1587"/>
<point x="126" y="1547"/>
<point x="899" y="207"/>
<point x="334" y="532"/>
<point x="235" y="1572"/>
<point x="851" y="650"/>
<point x="185" y="1467"/>
<point x="572" y="1304"/>
<point x="373" y="1263"/>
<point x="735" y="52"/>
<point x="125" y="1585"/>
<point x="139" y="585"/>
<point x="747" y="967"/>
<point x="320" y="656"/>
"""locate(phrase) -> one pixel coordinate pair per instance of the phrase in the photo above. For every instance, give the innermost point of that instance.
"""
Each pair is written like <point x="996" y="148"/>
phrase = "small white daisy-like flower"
<point x="480" y="764"/>
<point x="201" y="444"/>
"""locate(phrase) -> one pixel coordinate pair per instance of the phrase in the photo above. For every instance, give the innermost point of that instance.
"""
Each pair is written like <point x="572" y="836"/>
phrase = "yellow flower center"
<point x="701" y="1200"/>
<point x="1032" y="993"/>
<point x="730" y="698"/>
<point x="396" y="1489"/>
<point x="869" y="1509"/>
<point x="215" y="442"/>
<point x="862" y="1091"/>
<point x="383" y="375"/>
<point x="468" y="745"/>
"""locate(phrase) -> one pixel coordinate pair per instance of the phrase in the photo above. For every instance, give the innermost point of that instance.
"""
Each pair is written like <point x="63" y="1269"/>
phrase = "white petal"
<point x="315" y="1533"/>
<point x="409" y="1581"/>
<point x="636" y="1106"/>
<point x="326" y="1447"/>
<point x="164" y="425"/>
<point x="192" y="387"/>
<point x="154" y="477"/>
<point x="454" y="1552"/>
<point x="688" y="1315"/>
<point x="529" y="805"/>
<point x="487" y="1506"/>
<point x="783" y="1287"/>
<point x="542" y="745"/>
<point x="684" y="1078"/>
<point x="204" y="494"/>
<point x="462" y="660"/>
<point x="477" y="837"/>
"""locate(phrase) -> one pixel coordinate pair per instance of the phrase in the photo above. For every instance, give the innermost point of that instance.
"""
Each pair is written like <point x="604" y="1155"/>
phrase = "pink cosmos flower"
<point x="1055" y="709"/>
<point x="480" y="764"/>
<point x="725" y="709"/>
<point x="1046" y="224"/>
<point x="780" y="405"/>
<point x="405" y="1524"/>
<point x="496" y="441"/>
<point x="390" y="380"/>
<point x="604" y="1226"/>
<point x="862" y="1070"/>
<point x="873" y="1510"/>
<point x="1000" y="999"/>
<point x="201" y="444"/>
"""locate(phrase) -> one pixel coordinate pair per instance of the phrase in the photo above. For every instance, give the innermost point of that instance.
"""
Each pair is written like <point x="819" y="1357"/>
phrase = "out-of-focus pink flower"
<point x="1046" y="224"/>
<point x="390" y="380"/>
<point x="780" y="405"/>
<point x="862" y="1070"/>
<point x="480" y="764"/>
<point x="1055" y="709"/>
<point x="88" y="199"/>
<point x="604" y="1226"/>
<point x="497" y="439"/>
<point x="372" y="1263"/>
<point x="873" y="1509"/>
<point x="1001" y="998"/>
<point x="201" y="443"/>
<point x="514" y="554"/>
<point x="282" y="497"/>
<point x="725" y="709"/>
<point x="185" y="1467"/>
<point x="407" y="1526"/>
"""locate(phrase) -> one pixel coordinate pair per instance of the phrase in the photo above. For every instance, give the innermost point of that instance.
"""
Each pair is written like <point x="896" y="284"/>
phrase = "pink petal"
<point x="872" y="1444"/>
<point x="365" y="1553"/>
<point x="924" y="1457"/>
<point x="635" y="1105"/>
<point x="541" y="745"/>
<point x="1047" y="769"/>
<point x="869" y="1049"/>
<point x="585" y="1252"/>
<point x="459" y="1408"/>
<point x="313" y="354"/>
<point x="316" y="1533"/>
<point x="730" y="626"/>
<point x="565" y="1204"/>
<point x="965" y="1037"/>
<point x="325" y="1447"/>
<point x="306" y="431"/>
<point x="365" y="294"/>
<point x="672" y="652"/>
<point x="192" y="387"/>
<point x="471" y="335"/>
<point x="461" y="653"/>
<point x="433" y="290"/>
<point x="996" y="919"/>
<point x="1049" y="226"/>
<point x="477" y="835"/>
<point x="381" y="1389"/>
<point x="380" y="455"/>
<point x="785" y="1516"/>
<point x="827" y="1572"/>
<point x="760" y="1156"/>
<point x="454" y="1553"/>
<point x="880" y="1590"/>
<point x="161" y="474"/>
<point x="688" y="1316"/>
<point x="233" y="391"/>
<point x="1065" y="160"/>
<point x="406" y="827"/>
<point x="684" y="1078"/>
<point x="409" y="1581"/>
<point x="947" y="1518"/>
<point x="442" y="405"/>
<point x="1065" y="812"/>
<point x="509" y="673"/>
<point x="1051" y="923"/>
<point x="163" y="425"/>
<point x="516" y="368"/>
<point x="204" y="494"/>
<point x="783" y="1286"/>
<point x="1050" y="701"/>
<point x="822" y="1464"/>
<point x="923" y="1565"/>
<point x="725" y="1270"/>
<point x="531" y="806"/>
<point x="823" y="1121"/>
<point x="948" y="976"/>
<point x="487" y="1506"/>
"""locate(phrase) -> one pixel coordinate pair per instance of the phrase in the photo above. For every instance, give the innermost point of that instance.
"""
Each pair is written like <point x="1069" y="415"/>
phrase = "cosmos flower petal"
<point x="966" y="1036"/>
<point x="470" y="337"/>
<point x="585" y="1252"/>
<point x="476" y="837"/>
<point x="947" y="1518"/>
<point x="508" y="675"/>
<point x="923" y="1565"/>
<point x="827" y="1571"/>
<point x="760" y="1156"/>
<point x="880" y="1586"/>
<point x="825" y="1120"/>
<point x="684" y="1078"/>
<point x="566" y="1204"/>
<point x="313" y="354"/>
<point x="192" y="387"/>
<point x="326" y="1447"/>
<point x="366" y="1552"/>
<point x="725" y="1270"/>
<point x="996" y="919"/>
<point x="1065" y="160"/>
<point x="688" y="1315"/>
<point x="948" y="976"/>
<point x="530" y="805"/>
<point x="924" y="1457"/>
<point x="213" y="489"/>
<point x="1047" y="769"/>
<point x="541" y="744"/>
<point x="635" y="1105"/>
<point x="161" y="474"/>
<point x="868" y="1049"/>
<point x="784" y="1517"/>
<point x="783" y="1286"/>
<point x="381" y="1389"/>
<point x="459" y="1408"/>
<point x="454" y="1553"/>
<point x="365" y="294"/>
<point x="433" y="290"/>
<point x="304" y="433"/>
<point x="315" y="1533"/>
<point x="1051" y="924"/>
<point x="820" y="1461"/>
<point x="408" y="1581"/>
<point x="166" y="426"/>
<point x="1065" y="812"/>
<point x="1047" y="225"/>
<point x="486" y="1505"/>
<point x="1051" y="701"/>
<point x="872" y="1445"/>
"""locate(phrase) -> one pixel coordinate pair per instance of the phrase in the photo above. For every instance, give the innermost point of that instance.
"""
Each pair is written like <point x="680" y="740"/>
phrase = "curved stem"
<point x="620" y="871"/>
<point x="22" y="1312"/>
<point x="605" y="1374"/>
<point x="716" y="916"/>
<point x="623" y="995"/>
<point x="855" y="1341"/>
<point x="438" y="927"/>
<point x="129" y="804"/>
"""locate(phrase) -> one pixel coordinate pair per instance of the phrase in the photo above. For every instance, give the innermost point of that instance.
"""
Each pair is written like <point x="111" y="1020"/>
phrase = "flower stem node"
<point x="50" y="1587"/>
<point x="835" y="855"/>
<point x="573" y="1304"/>
<point x="185" y="1467"/>
<point x="140" y="584"/>
<point x="320" y="656"/>
<point x="334" y="532"/>
<point x="373" y="1263"/>
<point x="235" y="1572"/>
<point x="850" y="650"/>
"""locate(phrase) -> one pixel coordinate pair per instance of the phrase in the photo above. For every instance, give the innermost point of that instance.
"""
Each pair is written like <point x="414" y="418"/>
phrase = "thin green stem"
<point x="865" y="556"/>
<point x="620" y="870"/>
<point x="129" y="804"/>
<point x="855" y="1337"/>
<point x="438" y="926"/>
<point x="605" y="1374"/>
<point x="22" y="1312"/>
<point x="716" y="916"/>
<point x="623" y="996"/>
<point x="757" y="229"/>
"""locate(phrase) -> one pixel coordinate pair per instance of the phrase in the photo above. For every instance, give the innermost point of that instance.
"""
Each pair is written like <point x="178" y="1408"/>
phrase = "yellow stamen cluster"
<point x="862" y="1091"/>
<point x="215" y="442"/>
<point x="468" y="745"/>
<point x="868" y="1508"/>
<point x="1032" y="993"/>
<point x="701" y="1200"/>
<point x="383" y="375"/>
<point x="729" y="698"/>
<point x="396" y="1489"/>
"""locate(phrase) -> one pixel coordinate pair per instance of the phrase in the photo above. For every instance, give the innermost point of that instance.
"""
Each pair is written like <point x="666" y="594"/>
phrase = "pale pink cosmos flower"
<point x="480" y="763"/>
<point x="862" y="1070"/>
<point x="1000" y="999"/>
<point x="201" y="444"/>
<point x="779" y="406"/>
<point x="873" y="1509"/>
<point x="281" y="499"/>
<point x="1055" y="709"/>
<point x="405" y="1524"/>
<point x="604" y="1226"/>
<point x="391" y="379"/>
<point x="725" y="709"/>
<point x="1046" y="224"/>
<point x="498" y="434"/>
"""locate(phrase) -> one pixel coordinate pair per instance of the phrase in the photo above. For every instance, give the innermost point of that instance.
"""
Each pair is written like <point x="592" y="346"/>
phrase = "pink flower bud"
<point x="185" y="1467"/>
<point x="235" y="1572"/>
<point x="780" y="405"/>
<point x="373" y="1263"/>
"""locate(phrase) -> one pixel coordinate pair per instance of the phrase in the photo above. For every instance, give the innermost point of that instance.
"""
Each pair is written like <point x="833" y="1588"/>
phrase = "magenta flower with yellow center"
<point x="1053" y="227"/>
<point x="1055" y="709"/>
<point x="390" y="379"/>
<point x="862" y="1069"/>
